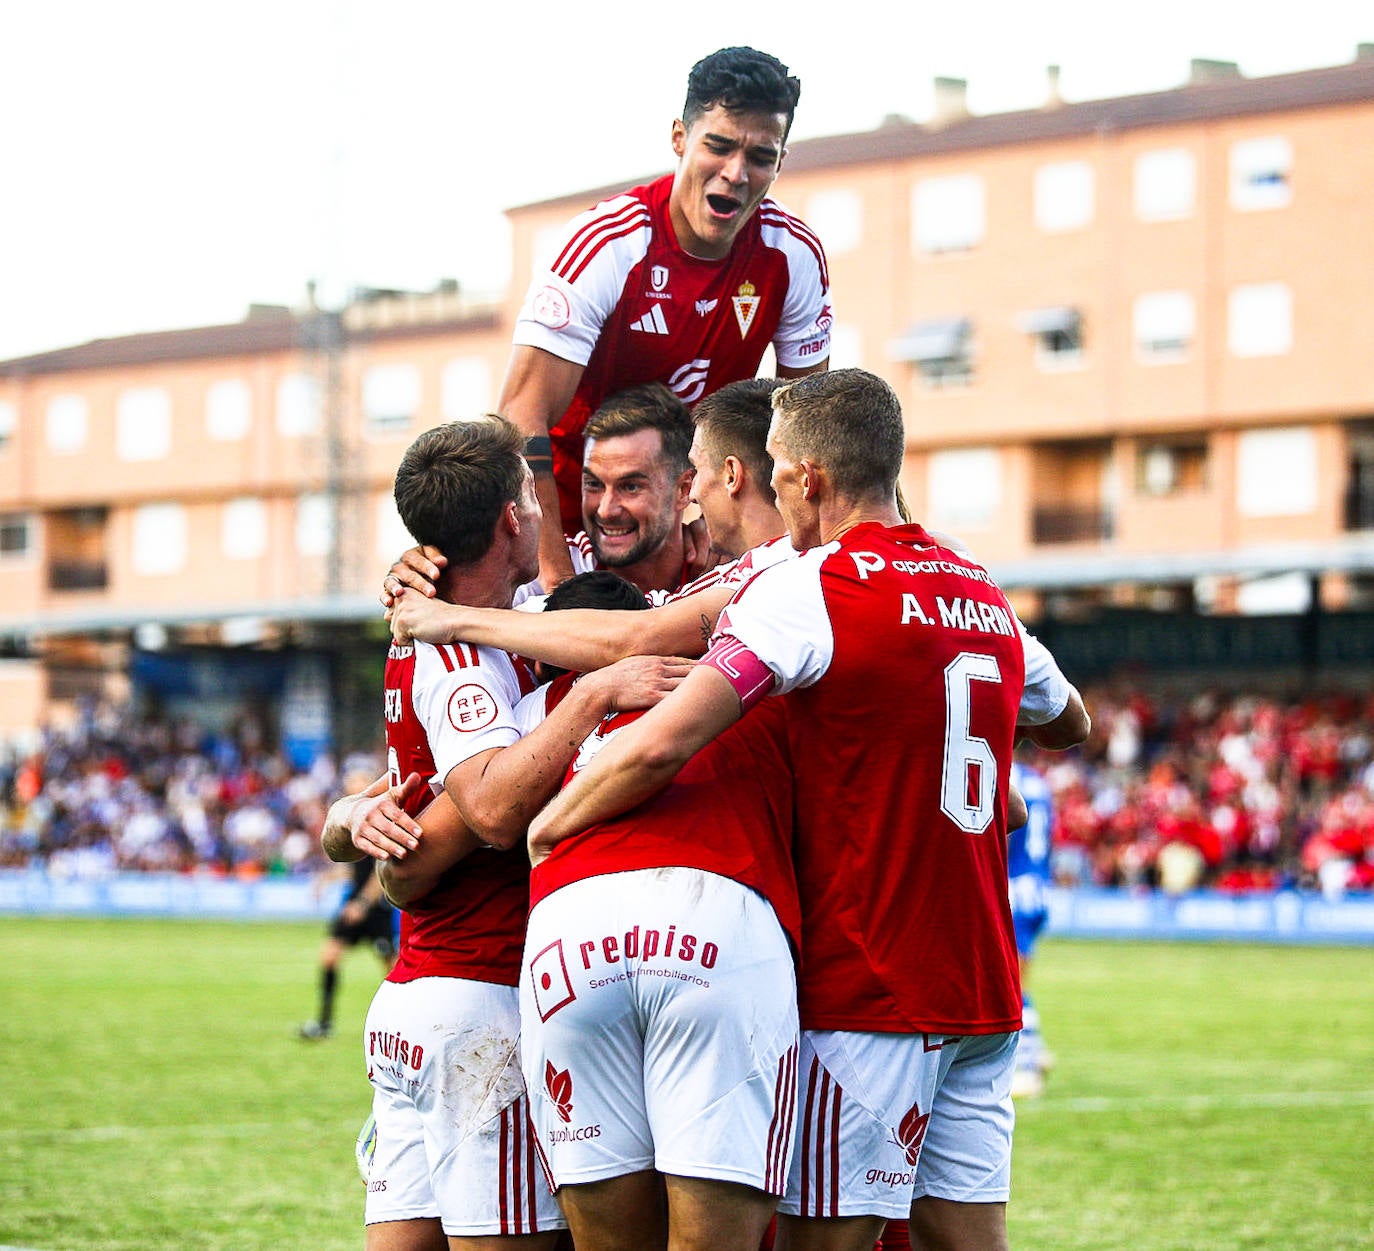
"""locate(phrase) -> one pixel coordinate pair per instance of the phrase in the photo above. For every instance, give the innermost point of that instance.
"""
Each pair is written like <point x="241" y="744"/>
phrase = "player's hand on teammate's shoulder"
<point x="418" y="568"/>
<point x="639" y="682"/>
<point x="379" y="826"/>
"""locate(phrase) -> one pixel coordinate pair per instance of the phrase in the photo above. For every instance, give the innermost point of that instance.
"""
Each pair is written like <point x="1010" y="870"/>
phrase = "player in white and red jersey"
<point x="658" y="1009"/>
<point x="904" y="675"/>
<point x="685" y="281"/>
<point x="453" y="1140"/>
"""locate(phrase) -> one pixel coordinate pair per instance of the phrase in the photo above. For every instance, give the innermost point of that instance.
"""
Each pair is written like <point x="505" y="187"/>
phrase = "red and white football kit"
<point x="903" y="669"/>
<point x="624" y="300"/>
<point x="442" y="1035"/>
<point x="658" y="1005"/>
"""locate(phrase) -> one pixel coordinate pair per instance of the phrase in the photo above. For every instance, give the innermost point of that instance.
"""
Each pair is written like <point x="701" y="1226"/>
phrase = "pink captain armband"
<point x="751" y="678"/>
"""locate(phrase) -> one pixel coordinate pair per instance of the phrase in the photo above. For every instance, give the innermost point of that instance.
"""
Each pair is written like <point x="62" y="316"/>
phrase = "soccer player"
<point x="658" y="1006"/>
<point x="453" y="1142"/>
<point x="905" y="678"/>
<point x="1028" y="866"/>
<point x="685" y="281"/>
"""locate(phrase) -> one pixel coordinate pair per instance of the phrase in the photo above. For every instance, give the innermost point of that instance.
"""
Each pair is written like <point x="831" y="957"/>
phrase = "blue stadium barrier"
<point x="1283" y="917"/>
<point x="32" y="891"/>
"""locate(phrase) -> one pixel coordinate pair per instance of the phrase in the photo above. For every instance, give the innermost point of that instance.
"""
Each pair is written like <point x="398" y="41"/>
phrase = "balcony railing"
<point x="77" y="575"/>
<point x="1072" y="523"/>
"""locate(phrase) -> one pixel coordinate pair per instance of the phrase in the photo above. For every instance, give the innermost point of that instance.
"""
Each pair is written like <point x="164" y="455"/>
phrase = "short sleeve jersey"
<point x="444" y="705"/>
<point x="624" y="300"/>
<point x="728" y="812"/>
<point x="902" y="668"/>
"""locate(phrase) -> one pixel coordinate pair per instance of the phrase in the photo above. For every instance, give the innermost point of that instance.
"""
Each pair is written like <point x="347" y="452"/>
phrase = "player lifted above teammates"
<point x="907" y="678"/>
<point x="685" y="281"/>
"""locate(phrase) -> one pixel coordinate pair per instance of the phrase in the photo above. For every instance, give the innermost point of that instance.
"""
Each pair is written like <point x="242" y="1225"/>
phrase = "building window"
<point x="1359" y="491"/>
<point x="159" y="540"/>
<point x="941" y="349"/>
<point x="963" y="486"/>
<point x="143" y="424"/>
<point x="1261" y="173"/>
<point x="16" y="537"/>
<point x="1276" y="472"/>
<point x="228" y="410"/>
<point x="75" y="542"/>
<point x="1165" y="185"/>
<point x="1171" y="467"/>
<point x="67" y="422"/>
<point x="1164" y="324"/>
<point x="243" y="529"/>
<point x="838" y="218"/>
<point x="314" y="525"/>
<point x="1058" y="335"/>
<point x="299" y="405"/>
<point x="1064" y="196"/>
<point x="391" y="398"/>
<point x="948" y="214"/>
<point x="9" y="419"/>
<point x="1260" y="319"/>
<point x="465" y="389"/>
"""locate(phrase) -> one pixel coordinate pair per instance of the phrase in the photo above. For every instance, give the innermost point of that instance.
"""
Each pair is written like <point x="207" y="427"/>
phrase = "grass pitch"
<point x="155" y="1095"/>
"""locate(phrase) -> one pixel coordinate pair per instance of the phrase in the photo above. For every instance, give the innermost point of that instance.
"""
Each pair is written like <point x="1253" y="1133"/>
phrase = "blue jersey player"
<point x="1028" y="872"/>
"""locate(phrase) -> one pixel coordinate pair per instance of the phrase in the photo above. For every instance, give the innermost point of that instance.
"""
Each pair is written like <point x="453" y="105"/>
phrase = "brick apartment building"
<point x="1132" y="338"/>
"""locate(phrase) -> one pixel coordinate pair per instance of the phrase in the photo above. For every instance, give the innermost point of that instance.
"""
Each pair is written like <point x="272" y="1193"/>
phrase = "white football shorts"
<point x="887" y="1118"/>
<point x="659" y="1011"/>
<point x="453" y="1132"/>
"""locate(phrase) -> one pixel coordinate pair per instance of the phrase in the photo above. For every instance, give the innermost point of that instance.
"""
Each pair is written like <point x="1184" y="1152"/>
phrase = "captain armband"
<point x="539" y="453"/>
<point x="751" y="678"/>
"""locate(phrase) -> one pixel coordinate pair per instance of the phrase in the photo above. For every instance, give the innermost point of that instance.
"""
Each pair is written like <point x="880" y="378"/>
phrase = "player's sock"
<point x="896" y="1237"/>
<point x="329" y="979"/>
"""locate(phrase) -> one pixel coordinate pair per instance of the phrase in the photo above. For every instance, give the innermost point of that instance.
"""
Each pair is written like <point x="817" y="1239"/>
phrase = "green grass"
<point x="156" y="1096"/>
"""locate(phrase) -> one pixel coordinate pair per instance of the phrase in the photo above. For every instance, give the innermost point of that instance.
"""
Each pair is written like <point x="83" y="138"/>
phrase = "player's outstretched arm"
<point x="579" y="639"/>
<point x="640" y="760"/>
<point x="538" y="388"/>
<point x="498" y="791"/>
<point x="446" y="840"/>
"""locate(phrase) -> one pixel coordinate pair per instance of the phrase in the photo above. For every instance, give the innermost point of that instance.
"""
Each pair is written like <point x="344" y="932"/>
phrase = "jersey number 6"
<point x="968" y="786"/>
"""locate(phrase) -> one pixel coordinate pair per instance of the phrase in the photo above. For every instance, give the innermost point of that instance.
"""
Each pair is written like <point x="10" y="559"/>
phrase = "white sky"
<point x="168" y="162"/>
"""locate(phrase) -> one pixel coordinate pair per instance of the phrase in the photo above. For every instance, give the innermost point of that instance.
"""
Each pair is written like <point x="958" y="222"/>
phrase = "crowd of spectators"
<point x="118" y="790"/>
<point x="1235" y="792"/>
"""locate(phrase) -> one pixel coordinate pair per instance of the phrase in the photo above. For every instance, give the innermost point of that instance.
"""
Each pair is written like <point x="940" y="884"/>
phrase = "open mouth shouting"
<point x="724" y="207"/>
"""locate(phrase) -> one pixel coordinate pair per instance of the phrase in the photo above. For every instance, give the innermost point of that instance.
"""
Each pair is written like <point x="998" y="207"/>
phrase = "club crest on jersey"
<point x="658" y="277"/>
<point x="746" y="304"/>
